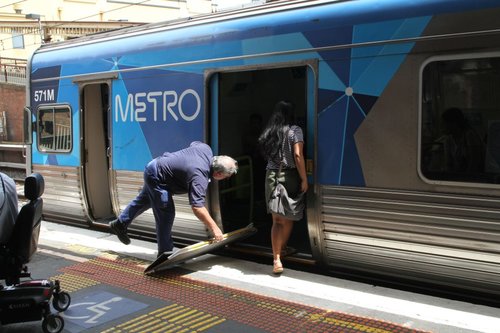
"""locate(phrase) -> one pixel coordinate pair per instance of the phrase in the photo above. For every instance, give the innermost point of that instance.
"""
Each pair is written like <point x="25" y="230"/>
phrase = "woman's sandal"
<point x="277" y="267"/>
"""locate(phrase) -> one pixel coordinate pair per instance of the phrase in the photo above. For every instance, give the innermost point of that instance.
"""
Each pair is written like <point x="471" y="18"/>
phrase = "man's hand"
<point x="218" y="237"/>
<point x="202" y="214"/>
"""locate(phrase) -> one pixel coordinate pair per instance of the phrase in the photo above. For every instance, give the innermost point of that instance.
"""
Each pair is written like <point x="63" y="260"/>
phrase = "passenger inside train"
<point x="460" y="149"/>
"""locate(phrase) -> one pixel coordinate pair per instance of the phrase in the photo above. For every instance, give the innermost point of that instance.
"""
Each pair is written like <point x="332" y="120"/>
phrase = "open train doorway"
<point x="95" y="158"/>
<point x="244" y="103"/>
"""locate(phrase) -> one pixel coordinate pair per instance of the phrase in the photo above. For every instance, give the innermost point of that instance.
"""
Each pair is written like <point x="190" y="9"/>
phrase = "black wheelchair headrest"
<point x="34" y="185"/>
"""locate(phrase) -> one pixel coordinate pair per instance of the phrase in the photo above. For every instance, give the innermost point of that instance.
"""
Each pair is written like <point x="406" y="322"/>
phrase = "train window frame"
<point x="56" y="145"/>
<point x="477" y="116"/>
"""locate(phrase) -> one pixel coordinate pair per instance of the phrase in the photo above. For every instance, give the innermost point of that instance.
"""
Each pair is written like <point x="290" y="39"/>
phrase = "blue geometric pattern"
<point x="356" y="84"/>
<point x="350" y="79"/>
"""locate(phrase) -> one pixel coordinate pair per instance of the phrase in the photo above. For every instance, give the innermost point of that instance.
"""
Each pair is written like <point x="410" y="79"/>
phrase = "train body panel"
<point x="371" y="81"/>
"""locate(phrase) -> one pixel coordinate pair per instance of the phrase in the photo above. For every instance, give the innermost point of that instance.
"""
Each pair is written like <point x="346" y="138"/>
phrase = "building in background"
<point x="26" y="24"/>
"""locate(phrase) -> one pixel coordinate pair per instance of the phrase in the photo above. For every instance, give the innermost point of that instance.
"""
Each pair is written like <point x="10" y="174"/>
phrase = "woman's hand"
<point x="304" y="185"/>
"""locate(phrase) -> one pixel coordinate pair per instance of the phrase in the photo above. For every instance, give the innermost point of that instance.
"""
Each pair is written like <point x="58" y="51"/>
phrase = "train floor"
<point x="212" y="293"/>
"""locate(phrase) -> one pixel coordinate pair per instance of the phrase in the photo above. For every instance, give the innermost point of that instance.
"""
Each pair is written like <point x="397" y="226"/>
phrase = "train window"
<point x="54" y="129"/>
<point x="460" y="132"/>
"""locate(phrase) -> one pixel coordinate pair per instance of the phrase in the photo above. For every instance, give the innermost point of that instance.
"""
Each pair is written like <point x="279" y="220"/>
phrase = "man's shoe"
<point x="120" y="230"/>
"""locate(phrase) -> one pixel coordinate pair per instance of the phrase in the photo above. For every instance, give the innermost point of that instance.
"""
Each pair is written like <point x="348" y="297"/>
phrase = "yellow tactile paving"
<point x="172" y="318"/>
<point x="219" y="304"/>
<point x="71" y="282"/>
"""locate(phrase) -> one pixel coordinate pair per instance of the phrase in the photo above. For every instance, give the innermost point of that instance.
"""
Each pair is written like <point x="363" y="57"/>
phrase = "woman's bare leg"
<point x="280" y="232"/>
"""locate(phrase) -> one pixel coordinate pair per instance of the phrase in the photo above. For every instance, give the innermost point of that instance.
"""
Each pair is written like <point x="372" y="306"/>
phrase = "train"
<point x="398" y="101"/>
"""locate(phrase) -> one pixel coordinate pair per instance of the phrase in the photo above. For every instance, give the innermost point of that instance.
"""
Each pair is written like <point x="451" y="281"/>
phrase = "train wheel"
<point x="53" y="324"/>
<point x="61" y="301"/>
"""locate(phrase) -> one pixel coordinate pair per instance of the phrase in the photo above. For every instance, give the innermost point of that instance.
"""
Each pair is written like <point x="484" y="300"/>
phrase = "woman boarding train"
<point x="283" y="146"/>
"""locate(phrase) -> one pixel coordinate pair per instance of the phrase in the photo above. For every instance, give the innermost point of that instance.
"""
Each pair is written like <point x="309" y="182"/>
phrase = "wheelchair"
<point x="21" y="298"/>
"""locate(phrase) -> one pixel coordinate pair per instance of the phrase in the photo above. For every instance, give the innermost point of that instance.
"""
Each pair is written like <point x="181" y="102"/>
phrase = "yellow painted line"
<point x="172" y="318"/>
<point x="114" y="266"/>
<point x="181" y="317"/>
<point x="138" y="321"/>
<point x="344" y="323"/>
<point x="195" y="320"/>
<point x="173" y="313"/>
<point x="314" y="317"/>
<point x="124" y="258"/>
<point x="165" y="329"/>
<point x="160" y="327"/>
<point x="82" y="249"/>
<point x="189" y="316"/>
<point x="148" y="325"/>
<point x="63" y="255"/>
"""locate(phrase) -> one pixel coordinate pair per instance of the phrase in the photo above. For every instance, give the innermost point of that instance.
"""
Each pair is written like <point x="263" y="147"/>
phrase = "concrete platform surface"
<point x="215" y="293"/>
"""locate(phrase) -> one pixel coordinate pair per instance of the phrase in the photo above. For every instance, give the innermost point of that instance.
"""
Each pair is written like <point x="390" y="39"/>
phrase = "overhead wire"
<point x="10" y="4"/>
<point x="38" y="30"/>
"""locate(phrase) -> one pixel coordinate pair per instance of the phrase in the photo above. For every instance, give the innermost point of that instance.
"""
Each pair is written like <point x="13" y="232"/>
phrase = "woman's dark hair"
<point x="271" y="139"/>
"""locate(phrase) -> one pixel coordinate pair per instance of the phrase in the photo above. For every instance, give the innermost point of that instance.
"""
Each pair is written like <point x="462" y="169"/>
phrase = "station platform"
<point x="212" y="293"/>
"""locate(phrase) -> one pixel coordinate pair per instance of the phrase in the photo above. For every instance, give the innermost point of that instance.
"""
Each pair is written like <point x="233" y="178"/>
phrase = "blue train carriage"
<point x="371" y="81"/>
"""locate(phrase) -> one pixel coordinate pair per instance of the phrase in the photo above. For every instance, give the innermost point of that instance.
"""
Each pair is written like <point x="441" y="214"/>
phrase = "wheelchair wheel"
<point x="61" y="301"/>
<point x="53" y="324"/>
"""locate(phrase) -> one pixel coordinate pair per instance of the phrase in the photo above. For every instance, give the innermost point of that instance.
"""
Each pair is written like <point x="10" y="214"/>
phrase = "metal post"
<point x="38" y="18"/>
<point x="42" y="40"/>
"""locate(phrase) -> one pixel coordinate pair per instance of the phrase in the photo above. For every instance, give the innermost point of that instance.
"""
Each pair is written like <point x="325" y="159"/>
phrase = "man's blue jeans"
<point x="153" y="195"/>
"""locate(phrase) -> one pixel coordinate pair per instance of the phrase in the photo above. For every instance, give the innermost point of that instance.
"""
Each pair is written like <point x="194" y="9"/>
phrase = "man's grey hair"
<point x="225" y="165"/>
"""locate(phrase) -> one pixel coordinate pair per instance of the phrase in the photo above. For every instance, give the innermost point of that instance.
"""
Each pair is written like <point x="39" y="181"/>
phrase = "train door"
<point x="95" y="150"/>
<point x="241" y="103"/>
